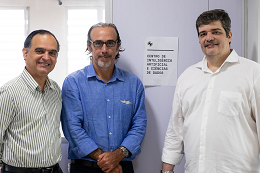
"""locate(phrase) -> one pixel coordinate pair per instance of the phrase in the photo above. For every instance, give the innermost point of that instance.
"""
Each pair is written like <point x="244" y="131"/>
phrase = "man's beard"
<point x="104" y="64"/>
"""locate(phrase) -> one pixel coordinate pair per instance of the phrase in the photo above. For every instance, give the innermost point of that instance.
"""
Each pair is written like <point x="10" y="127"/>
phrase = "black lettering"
<point x="157" y="72"/>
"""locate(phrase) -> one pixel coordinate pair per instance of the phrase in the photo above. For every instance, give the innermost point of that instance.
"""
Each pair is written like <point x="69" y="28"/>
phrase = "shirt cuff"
<point x="171" y="157"/>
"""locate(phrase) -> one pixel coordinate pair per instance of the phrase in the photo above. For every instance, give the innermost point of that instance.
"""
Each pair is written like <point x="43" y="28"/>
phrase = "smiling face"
<point x="213" y="40"/>
<point x="41" y="56"/>
<point x="103" y="57"/>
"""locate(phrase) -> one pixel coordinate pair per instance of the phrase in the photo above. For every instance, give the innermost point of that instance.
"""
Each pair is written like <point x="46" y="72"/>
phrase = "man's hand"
<point x="117" y="169"/>
<point x="108" y="161"/>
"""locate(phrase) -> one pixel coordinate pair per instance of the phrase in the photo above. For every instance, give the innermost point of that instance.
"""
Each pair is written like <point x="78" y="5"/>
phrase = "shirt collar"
<point x="116" y="74"/>
<point x="232" y="58"/>
<point x="32" y="84"/>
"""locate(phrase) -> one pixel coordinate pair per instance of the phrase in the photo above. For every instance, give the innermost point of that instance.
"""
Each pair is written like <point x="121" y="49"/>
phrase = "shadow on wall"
<point x="254" y="56"/>
<point x="153" y="143"/>
<point x="64" y="161"/>
<point x="151" y="149"/>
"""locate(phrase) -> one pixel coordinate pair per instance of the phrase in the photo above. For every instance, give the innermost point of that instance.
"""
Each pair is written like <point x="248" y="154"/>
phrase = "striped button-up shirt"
<point x="29" y="122"/>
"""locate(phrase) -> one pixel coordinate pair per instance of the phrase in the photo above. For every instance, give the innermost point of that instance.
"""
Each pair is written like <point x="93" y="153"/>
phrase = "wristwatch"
<point x="125" y="151"/>
<point x="162" y="171"/>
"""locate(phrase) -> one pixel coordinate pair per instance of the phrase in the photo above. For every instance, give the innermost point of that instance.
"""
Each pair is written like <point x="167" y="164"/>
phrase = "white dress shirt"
<point x="215" y="118"/>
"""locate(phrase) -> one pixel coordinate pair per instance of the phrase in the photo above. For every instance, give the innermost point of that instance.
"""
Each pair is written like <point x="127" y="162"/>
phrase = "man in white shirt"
<point x="215" y="115"/>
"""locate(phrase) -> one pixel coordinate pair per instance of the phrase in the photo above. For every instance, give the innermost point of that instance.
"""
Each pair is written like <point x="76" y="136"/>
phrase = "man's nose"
<point x="209" y="36"/>
<point x="46" y="55"/>
<point x="104" y="48"/>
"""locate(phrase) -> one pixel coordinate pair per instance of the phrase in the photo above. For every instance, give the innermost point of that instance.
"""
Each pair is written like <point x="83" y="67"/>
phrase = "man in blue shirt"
<point x="103" y="112"/>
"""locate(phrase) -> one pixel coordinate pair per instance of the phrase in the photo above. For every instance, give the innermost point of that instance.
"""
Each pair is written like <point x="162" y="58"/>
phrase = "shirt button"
<point x="110" y="133"/>
<point x="108" y="100"/>
<point x="109" y="117"/>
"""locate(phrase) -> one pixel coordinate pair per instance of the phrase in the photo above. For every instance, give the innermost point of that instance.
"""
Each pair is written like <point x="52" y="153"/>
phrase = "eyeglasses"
<point x="99" y="43"/>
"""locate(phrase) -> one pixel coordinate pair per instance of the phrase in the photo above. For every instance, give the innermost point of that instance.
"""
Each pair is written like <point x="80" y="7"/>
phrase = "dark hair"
<point x="208" y="17"/>
<point x="101" y="24"/>
<point x="28" y="40"/>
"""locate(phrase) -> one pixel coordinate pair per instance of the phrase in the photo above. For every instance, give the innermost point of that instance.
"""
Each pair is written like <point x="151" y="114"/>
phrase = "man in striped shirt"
<point x="30" y="107"/>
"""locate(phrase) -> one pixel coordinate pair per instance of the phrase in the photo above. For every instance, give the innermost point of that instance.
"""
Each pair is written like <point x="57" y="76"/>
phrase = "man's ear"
<point x="230" y="36"/>
<point x="118" y="46"/>
<point x="25" y="52"/>
<point x="89" y="47"/>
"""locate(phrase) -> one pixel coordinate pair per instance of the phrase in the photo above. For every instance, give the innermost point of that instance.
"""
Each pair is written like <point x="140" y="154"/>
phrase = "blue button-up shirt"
<point x="103" y="115"/>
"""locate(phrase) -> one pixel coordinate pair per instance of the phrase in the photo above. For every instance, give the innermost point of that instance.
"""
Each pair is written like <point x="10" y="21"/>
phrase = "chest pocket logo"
<point x="126" y="102"/>
<point x="230" y="103"/>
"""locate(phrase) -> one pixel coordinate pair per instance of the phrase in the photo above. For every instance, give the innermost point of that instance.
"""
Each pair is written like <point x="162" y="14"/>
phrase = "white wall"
<point x="258" y="49"/>
<point x="137" y="19"/>
<point x="253" y="27"/>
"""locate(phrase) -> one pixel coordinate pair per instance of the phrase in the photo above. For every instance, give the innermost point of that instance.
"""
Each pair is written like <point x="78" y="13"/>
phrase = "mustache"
<point x="211" y="42"/>
<point x="105" y="54"/>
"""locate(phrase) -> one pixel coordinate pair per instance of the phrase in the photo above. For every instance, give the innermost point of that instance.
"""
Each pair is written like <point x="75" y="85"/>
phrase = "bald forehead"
<point x="44" y="40"/>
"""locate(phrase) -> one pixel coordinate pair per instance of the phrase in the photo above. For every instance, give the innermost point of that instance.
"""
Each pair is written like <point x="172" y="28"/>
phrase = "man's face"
<point x="213" y="39"/>
<point x="103" y="56"/>
<point x="42" y="56"/>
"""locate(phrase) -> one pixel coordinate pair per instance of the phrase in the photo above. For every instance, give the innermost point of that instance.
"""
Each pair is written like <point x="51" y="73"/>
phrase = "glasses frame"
<point x="102" y="43"/>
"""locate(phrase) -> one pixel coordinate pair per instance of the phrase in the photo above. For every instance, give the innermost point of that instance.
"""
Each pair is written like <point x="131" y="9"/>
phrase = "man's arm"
<point x="6" y="115"/>
<point x="135" y="135"/>
<point x="167" y="167"/>
<point x="173" y="149"/>
<point x="6" y="112"/>
<point x="72" y="117"/>
<point x="95" y="154"/>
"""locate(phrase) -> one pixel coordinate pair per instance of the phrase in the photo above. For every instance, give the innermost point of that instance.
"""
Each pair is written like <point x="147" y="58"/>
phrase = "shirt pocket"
<point x="126" y="110"/>
<point x="230" y="103"/>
